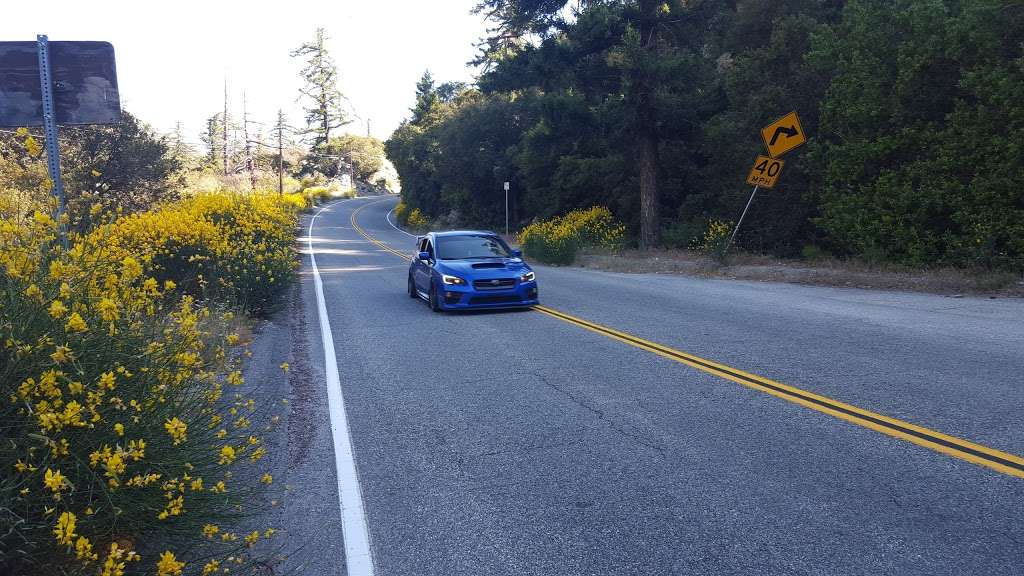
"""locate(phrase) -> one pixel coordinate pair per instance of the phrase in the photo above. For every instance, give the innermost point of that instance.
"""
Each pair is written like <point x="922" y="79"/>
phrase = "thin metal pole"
<point x="506" y="211"/>
<point x="50" y="129"/>
<point x="280" y="152"/>
<point x="738" y="224"/>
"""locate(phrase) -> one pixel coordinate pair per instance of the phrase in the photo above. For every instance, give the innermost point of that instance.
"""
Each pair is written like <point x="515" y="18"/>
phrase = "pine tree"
<point x="426" y="98"/>
<point x="211" y="138"/>
<point x="324" y="112"/>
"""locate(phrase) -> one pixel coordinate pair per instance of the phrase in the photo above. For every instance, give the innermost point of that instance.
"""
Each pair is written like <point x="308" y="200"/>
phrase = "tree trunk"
<point x="650" y="221"/>
<point x="647" y="134"/>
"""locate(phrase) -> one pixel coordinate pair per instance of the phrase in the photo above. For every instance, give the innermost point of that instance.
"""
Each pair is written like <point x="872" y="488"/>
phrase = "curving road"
<point x="520" y="443"/>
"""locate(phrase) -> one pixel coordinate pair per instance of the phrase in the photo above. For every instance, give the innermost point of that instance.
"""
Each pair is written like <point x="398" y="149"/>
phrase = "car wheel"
<point x="434" y="304"/>
<point x="412" y="288"/>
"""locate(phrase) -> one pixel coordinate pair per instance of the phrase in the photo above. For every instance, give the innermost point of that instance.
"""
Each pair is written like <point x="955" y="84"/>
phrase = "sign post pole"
<point x="506" y="209"/>
<point x="50" y="129"/>
<point x="740" y="223"/>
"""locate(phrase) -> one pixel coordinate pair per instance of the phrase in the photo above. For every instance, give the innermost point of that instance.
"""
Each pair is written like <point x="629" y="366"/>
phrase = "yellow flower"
<point x="108" y="381"/>
<point x="83" y="550"/>
<point x="65" y="528"/>
<point x="116" y="560"/>
<point x="177" y="429"/>
<point x="62" y="354"/>
<point x="211" y="567"/>
<point x="269" y="532"/>
<point x="210" y="530"/>
<point x="115" y="466"/>
<point x="108" y="310"/>
<point x="119" y="429"/>
<point x="55" y="481"/>
<point x="284" y="366"/>
<point x="169" y="565"/>
<point x="57" y="309"/>
<point x="33" y="292"/>
<point x="130" y="269"/>
<point x="267" y="478"/>
<point x="76" y="323"/>
<point x="252" y="538"/>
<point x="227" y="455"/>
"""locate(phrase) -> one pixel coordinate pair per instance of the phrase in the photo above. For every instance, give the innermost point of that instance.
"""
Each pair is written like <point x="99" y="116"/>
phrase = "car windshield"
<point x="471" y="246"/>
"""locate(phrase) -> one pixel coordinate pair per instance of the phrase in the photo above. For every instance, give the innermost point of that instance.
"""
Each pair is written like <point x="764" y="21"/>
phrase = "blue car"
<point x="469" y="270"/>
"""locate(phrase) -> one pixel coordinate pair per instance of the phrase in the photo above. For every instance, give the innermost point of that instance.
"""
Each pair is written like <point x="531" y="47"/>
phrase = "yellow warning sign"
<point x="783" y="135"/>
<point x="765" y="172"/>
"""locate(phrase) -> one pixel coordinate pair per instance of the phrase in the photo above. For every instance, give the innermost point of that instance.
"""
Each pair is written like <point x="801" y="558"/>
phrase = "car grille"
<point x="495" y="284"/>
<point x="494" y="299"/>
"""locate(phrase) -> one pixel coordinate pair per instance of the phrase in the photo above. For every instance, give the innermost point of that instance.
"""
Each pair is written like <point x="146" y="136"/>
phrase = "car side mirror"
<point x="424" y="256"/>
<point x="517" y="253"/>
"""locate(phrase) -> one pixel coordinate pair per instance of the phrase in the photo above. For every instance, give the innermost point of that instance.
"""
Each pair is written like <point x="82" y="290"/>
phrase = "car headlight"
<point x="528" y="277"/>
<point x="452" y="280"/>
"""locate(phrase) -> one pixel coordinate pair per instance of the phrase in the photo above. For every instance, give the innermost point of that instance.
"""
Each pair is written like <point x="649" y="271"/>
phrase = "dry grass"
<point x="831" y="272"/>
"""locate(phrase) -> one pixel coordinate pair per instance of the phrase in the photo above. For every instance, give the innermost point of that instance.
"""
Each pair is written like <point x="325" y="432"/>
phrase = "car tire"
<point x="412" y="288"/>
<point x="434" y="304"/>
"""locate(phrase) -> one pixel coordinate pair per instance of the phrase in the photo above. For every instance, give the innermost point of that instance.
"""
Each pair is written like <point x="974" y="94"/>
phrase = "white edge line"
<point x="358" y="558"/>
<point x="388" y="218"/>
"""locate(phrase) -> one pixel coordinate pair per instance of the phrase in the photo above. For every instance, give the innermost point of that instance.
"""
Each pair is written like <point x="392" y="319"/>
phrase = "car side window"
<point x="429" y="250"/>
<point x="421" y="246"/>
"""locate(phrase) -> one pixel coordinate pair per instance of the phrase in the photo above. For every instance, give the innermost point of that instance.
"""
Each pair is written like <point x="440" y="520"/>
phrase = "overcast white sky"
<point x="172" y="56"/>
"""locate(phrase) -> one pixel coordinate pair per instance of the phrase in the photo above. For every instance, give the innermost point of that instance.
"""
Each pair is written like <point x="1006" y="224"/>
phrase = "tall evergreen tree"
<point x="426" y="98"/>
<point x="323" y="112"/>
<point x="212" y="138"/>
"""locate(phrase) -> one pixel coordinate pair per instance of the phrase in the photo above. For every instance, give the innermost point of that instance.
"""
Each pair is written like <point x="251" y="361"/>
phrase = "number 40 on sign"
<point x="765" y="172"/>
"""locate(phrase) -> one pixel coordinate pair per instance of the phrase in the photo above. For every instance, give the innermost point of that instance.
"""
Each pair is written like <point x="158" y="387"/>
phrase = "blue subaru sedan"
<point x="468" y="270"/>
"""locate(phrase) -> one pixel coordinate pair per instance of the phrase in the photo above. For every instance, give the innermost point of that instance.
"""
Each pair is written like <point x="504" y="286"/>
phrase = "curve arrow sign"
<point x="783" y="135"/>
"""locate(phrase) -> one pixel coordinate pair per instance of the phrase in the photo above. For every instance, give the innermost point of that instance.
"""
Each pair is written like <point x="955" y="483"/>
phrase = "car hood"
<point x="476" y="269"/>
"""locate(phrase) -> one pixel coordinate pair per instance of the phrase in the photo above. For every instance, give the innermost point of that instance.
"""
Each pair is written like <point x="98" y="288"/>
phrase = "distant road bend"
<point x="604" y="433"/>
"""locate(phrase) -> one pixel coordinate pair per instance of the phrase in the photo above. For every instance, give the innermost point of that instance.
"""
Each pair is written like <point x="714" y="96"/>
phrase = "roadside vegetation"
<point x="556" y="241"/>
<point x="654" y="110"/>
<point x="131" y="442"/>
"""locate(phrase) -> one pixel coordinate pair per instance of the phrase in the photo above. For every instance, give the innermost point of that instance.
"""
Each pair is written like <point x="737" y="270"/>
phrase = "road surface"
<point x="520" y="443"/>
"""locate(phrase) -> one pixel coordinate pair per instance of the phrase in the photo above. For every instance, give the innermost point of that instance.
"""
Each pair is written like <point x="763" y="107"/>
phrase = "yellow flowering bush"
<point x="401" y="212"/>
<point x="414" y="219"/>
<point x="715" y="239"/>
<point x="126" y="427"/>
<point x="230" y="247"/>
<point x="556" y="241"/>
<point x="417" y="220"/>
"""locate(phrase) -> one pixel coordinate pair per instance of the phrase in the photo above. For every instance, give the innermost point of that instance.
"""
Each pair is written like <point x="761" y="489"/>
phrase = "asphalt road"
<point x="516" y="443"/>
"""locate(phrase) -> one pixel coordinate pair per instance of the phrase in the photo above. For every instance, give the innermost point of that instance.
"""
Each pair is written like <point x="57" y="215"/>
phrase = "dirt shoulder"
<point x="821" y="273"/>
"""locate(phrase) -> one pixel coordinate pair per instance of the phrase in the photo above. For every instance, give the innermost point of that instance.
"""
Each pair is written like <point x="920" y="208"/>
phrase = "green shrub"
<point x="683" y="235"/>
<point x="813" y="253"/>
<point x="556" y="241"/>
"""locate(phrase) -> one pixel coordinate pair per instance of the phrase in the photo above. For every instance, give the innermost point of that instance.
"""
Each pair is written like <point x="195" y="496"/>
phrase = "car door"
<point x="423" y="268"/>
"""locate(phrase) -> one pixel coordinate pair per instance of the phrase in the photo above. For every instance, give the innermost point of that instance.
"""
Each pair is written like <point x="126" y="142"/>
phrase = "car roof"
<point x="464" y="233"/>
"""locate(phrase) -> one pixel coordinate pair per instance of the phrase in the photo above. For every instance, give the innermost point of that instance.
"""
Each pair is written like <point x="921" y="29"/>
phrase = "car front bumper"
<point x="468" y="298"/>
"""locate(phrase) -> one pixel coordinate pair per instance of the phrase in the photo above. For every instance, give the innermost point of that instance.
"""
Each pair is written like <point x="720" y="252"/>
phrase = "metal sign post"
<point x="738" y="224"/>
<point x="506" y="208"/>
<point x="50" y="129"/>
<point x="779" y="137"/>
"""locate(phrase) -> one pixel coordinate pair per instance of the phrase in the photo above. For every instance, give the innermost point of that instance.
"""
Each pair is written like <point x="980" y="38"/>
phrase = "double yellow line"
<point x="956" y="447"/>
